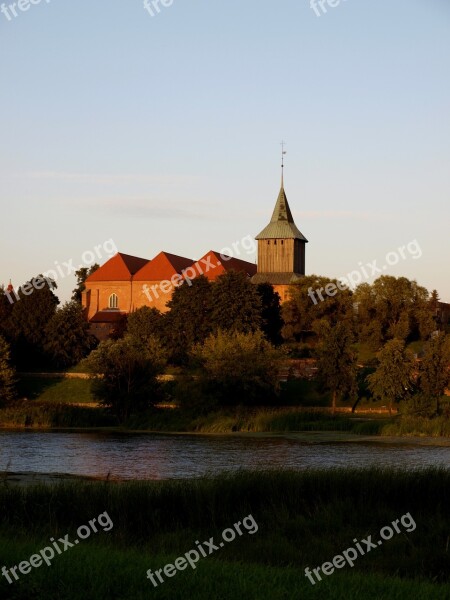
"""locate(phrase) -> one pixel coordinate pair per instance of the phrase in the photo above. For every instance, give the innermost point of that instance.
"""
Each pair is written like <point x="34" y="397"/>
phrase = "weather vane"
<point x="283" y="152"/>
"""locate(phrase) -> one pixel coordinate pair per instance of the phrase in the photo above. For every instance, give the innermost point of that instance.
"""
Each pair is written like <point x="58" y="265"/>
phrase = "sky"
<point x="163" y="132"/>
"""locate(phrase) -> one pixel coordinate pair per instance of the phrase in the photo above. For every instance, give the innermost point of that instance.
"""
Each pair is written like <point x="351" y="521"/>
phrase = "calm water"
<point x="164" y="456"/>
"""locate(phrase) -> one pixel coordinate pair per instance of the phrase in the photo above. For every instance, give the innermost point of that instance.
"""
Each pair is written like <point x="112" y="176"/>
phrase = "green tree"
<point x="82" y="274"/>
<point x="434" y="373"/>
<point x="236" y="303"/>
<point x="29" y="317"/>
<point x="240" y="368"/>
<point x="271" y="319"/>
<point x="145" y="323"/>
<point x="189" y="319"/>
<point x="125" y="373"/>
<point x="336" y="361"/>
<point x="67" y="336"/>
<point x="393" y="307"/>
<point x="393" y="379"/>
<point x="7" y="374"/>
<point x="305" y="307"/>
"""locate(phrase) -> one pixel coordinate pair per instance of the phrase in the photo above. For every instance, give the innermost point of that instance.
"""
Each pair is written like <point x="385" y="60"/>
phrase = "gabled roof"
<point x="213" y="264"/>
<point x="282" y="224"/>
<point x="163" y="266"/>
<point x="121" y="267"/>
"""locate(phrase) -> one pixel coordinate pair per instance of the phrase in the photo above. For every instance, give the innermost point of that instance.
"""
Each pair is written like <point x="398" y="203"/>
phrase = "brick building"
<point x="125" y="283"/>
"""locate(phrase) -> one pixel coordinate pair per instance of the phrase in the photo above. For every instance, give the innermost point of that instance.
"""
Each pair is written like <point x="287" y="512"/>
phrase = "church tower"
<point x="281" y="248"/>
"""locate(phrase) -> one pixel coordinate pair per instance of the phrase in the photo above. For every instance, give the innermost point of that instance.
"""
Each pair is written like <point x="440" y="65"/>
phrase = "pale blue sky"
<point x="163" y="133"/>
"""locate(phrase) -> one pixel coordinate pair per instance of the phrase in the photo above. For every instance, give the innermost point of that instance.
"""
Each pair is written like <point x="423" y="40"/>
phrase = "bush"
<point x="240" y="368"/>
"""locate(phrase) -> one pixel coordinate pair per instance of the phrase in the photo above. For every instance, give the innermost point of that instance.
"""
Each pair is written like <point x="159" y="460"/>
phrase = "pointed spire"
<point x="10" y="287"/>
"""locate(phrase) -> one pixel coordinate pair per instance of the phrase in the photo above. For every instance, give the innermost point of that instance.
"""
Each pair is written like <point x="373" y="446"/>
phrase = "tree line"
<point x="236" y="334"/>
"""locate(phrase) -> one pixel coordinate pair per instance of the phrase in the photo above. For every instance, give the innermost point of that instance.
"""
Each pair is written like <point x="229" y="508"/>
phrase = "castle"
<point x="125" y="283"/>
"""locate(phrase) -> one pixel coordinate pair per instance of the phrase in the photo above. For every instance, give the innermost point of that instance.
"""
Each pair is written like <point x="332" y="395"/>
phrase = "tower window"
<point x="268" y="242"/>
<point x="275" y="242"/>
<point x="282" y="242"/>
<point x="113" y="301"/>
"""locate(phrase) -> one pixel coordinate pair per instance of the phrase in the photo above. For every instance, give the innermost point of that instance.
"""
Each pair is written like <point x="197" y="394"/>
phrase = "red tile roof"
<point x="213" y="265"/>
<point x="163" y="267"/>
<point x="120" y="267"/>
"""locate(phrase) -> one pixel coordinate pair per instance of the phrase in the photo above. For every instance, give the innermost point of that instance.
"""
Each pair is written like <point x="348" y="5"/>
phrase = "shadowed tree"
<point x="145" y="323"/>
<point x="7" y="375"/>
<point x="305" y="307"/>
<point x="82" y="274"/>
<point x="434" y="373"/>
<point x="125" y="374"/>
<point x="189" y="319"/>
<point x="271" y="320"/>
<point x="67" y="336"/>
<point x="393" y="379"/>
<point x="336" y="361"/>
<point x="29" y="318"/>
<point x="236" y="304"/>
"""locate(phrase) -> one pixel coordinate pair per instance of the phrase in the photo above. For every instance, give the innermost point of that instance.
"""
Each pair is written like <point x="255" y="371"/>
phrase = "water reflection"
<point x="163" y="456"/>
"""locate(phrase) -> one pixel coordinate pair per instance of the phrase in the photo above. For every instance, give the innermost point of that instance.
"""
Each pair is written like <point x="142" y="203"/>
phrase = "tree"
<point x="29" y="317"/>
<point x="67" y="336"/>
<point x="393" y="307"/>
<point x="125" y="373"/>
<point x="336" y="361"/>
<point x="305" y="308"/>
<point x="5" y="313"/>
<point x="145" y="323"/>
<point x="240" y="367"/>
<point x="271" y="319"/>
<point x="393" y="379"/>
<point x="7" y="374"/>
<point x="434" y="303"/>
<point x="236" y="303"/>
<point x="189" y="320"/>
<point x="434" y="373"/>
<point x="82" y="274"/>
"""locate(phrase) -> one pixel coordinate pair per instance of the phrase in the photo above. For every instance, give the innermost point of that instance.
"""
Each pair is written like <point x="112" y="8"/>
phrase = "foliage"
<point x="189" y="319"/>
<point x="392" y="380"/>
<point x="393" y="307"/>
<point x="7" y="374"/>
<point x="434" y="374"/>
<point x="236" y="304"/>
<point x="82" y="274"/>
<point x="240" y="368"/>
<point x="67" y="336"/>
<point x="145" y="323"/>
<point x="271" y="319"/>
<point x="126" y="373"/>
<point x="27" y="323"/>
<point x="305" y="308"/>
<point x="336" y="361"/>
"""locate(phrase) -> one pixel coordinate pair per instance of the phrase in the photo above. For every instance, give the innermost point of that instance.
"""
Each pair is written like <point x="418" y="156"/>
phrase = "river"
<point x="159" y="456"/>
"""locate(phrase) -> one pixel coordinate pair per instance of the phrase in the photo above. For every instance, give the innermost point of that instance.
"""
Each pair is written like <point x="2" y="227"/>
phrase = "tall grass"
<point x="304" y="519"/>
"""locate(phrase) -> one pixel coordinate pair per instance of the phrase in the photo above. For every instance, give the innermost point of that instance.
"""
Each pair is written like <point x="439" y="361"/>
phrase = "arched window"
<point x="113" y="301"/>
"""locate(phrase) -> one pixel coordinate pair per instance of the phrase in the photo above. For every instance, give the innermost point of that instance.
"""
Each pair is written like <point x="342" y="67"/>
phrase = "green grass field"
<point x="304" y="519"/>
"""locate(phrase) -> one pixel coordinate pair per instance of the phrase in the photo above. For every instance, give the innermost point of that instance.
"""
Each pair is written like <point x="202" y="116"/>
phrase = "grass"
<point x="55" y="391"/>
<point x="304" y="519"/>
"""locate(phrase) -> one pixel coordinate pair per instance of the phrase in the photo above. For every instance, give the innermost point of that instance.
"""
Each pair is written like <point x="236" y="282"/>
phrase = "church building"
<point x="125" y="283"/>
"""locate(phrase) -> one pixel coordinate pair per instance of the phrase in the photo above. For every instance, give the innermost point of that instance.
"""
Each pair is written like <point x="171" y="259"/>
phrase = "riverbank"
<point x="66" y="402"/>
<point x="303" y="520"/>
